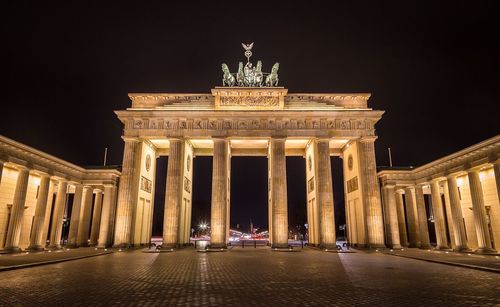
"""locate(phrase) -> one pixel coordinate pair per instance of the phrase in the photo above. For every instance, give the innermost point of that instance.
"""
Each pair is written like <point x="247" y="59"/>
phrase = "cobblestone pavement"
<point x="491" y="262"/>
<point x="26" y="258"/>
<point x="249" y="277"/>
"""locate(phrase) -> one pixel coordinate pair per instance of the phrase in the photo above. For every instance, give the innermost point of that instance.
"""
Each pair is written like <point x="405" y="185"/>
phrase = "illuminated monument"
<point x="454" y="199"/>
<point x="254" y="118"/>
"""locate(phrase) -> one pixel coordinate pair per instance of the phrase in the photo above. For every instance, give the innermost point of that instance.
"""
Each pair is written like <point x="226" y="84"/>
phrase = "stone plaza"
<point x="249" y="277"/>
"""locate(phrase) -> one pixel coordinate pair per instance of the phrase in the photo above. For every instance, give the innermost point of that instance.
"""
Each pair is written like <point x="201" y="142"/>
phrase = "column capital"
<point x="130" y="139"/>
<point x="323" y="139"/>
<point x="368" y="139"/>
<point x="98" y="188"/>
<point x="436" y="180"/>
<point x="40" y="173"/>
<point x="472" y="169"/>
<point x="219" y="138"/>
<point x="20" y="167"/>
<point x="409" y="187"/>
<point x="278" y="138"/>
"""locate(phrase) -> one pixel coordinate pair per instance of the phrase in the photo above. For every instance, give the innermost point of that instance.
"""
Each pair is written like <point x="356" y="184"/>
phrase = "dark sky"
<point x="433" y="67"/>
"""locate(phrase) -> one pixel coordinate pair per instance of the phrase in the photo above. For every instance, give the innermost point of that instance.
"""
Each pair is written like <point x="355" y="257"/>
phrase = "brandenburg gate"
<point x="249" y="116"/>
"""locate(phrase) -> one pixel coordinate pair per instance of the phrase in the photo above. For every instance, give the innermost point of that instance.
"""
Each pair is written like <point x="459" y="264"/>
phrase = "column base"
<point x="460" y="249"/>
<point x="485" y="251"/>
<point x="54" y="247"/>
<point x="36" y="248"/>
<point x="279" y="246"/>
<point x="425" y="246"/>
<point x="397" y="246"/>
<point x="376" y="245"/>
<point x="328" y="246"/>
<point x="72" y="246"/>
<point x="11" y="250"/>
<point x="443" y="247"/>
<point x="218" y="246"/>
<point x="169" y="247"/>
<point x="121" y="245"/>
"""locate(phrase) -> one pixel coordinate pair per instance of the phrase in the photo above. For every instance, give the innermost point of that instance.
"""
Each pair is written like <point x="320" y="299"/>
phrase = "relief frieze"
<point x="251" y="124"/>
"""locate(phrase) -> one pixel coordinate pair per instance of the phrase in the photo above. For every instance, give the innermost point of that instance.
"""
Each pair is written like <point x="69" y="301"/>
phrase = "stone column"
<point x="219" y="210"/>
<point x="392" y="216"/>
<point x="17" y="211"/>
<point x="57" y="216"/>
<point x="422" y="218"/>
<point x="96" y="218"/>
<point x="173" y="195"/>
<point x="279" y="201"/>
<point x="127" y="193"/>
<point x="496" y="169"/>
<point x="411" y="213"/>
<point x="107" y="209"/>
<point x="456" y="214"/>
<point x="37" y="242"/>
<point x="76" y="212"/>
<point x="371" y="192"/>
<point x="403" y="235"/>
<point x="439" y="223"/>
<point x="325" y="195"/>
<point x="86" y="211"/>
<point x="1" y="170"/>
<point x="476" y="192"/>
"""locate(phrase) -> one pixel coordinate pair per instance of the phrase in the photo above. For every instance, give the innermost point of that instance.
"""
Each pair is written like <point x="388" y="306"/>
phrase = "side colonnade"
<point x="451" y="203"/>
<point x="37" y="192"/>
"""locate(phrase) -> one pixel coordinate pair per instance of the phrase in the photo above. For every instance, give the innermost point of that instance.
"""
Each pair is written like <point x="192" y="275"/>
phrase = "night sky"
<point x="433" y="67"/>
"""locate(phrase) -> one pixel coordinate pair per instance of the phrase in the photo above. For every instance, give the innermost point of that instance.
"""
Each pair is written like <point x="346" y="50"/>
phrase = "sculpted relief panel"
<point x="251" y="101"/>
<point x="252" y="124"/>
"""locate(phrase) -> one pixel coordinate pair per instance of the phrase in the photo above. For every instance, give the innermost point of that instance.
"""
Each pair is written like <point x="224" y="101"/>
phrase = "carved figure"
<point x="272" y="78"/>
<point x="227" y="78"/>
<point x="240" y="76"/>
<point x="259" y="77"/>
<point x="249" y="74"/>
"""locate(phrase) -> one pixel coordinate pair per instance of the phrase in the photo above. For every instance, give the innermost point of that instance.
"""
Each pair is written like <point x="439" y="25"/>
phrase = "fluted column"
<point x="391" y="216"/>
<point x="1" y="170"/>
<point x="456" y="214"/>
<point x="496" y="169"/>
<point x="422" y="218"/>
<point x="325" y="195"/>
<point x="173" y="195"/>
<point x="37" y="242"/>
<point x="76" y="212"/>
<point x="279" y="201"/>
<point x="127" y="193"/>
<point x="371" y="192"/>
<point x="219" y="210"/>
<point x="403" y="235"/>
<point x="57" y="216"/>
<point x="411" y="213"/>
<point x="439" y="223"/>
<point x="86" y="212"/>
<point x="107" y="209"/>
<point x="476" y="192"/>
<point x="17" y="211"/>
<point x="96" y="218"/>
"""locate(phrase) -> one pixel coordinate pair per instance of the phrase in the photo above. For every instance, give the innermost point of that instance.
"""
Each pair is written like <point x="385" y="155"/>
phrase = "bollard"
<point x="254" y="244"/>
<point x="195" y="244"/>
<point x="302" y="243"/>
<point x="243" y="244"/>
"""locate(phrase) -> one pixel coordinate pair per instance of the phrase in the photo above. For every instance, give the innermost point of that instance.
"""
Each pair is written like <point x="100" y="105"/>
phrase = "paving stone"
<point x="248" y="277"/>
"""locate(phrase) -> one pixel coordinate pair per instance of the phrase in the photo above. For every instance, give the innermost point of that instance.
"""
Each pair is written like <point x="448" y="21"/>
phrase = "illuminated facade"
<point x="35" y="189"/>
<point x="248" y="121"/>
<point x="454" y="199"/>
